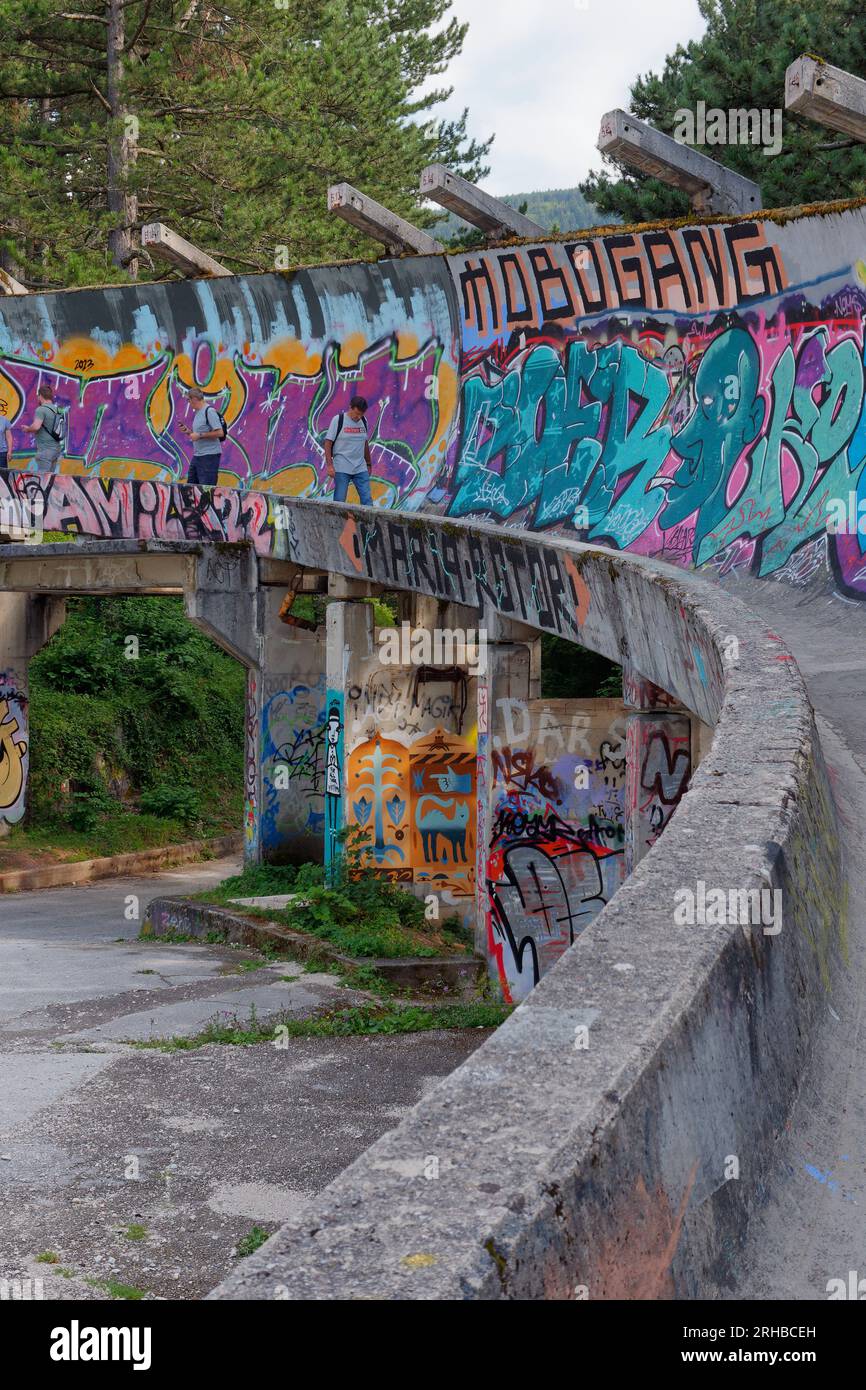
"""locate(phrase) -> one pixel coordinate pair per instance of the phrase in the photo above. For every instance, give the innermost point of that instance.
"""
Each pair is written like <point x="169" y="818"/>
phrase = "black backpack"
<point x="222" y="419"/>
<point x="57" y="432"/>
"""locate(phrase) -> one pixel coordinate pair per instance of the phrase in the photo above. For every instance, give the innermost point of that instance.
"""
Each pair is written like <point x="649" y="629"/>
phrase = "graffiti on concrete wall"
<point x="604" y="394"/>
<point x="293" y="763"/>
<point x="555" y="853"/>
<point x="659" y="763"/>
<point x="129" y="423"/>
<point x="407" y="703"/>
<point x="732" y="456"/>
<point x="411" y="774"/>
<point x="695" y="393"/>
<point x="693" y="269"/>
<point x="278" y="356"/>
<point x="14" y="757"/>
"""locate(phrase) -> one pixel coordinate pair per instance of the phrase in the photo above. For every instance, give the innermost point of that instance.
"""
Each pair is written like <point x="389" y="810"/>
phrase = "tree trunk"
<point x="122" y="139"/>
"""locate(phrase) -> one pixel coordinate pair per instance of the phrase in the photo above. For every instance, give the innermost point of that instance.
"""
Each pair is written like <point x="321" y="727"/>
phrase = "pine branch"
<point x="139" y="31"/>
<point x="103" y="99"/>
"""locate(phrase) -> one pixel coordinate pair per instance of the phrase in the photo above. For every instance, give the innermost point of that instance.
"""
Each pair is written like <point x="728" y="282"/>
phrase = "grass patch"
<point x="120" y="832"/>
<point x="135" y="1231"/>
<point x="48" y="1257"/>
<point x="366" y="1020"/>
<point x="116" y="1289"/>
<point x="358" y="913"/>
<point x="250" y="1243"/>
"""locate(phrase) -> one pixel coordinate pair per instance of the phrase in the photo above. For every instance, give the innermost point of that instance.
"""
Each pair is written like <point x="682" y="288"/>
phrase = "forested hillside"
<point x="555" y="209"/>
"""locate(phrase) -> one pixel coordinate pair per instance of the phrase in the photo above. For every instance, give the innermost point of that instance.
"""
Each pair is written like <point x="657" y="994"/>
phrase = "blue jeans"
<point x="362" y="487"/>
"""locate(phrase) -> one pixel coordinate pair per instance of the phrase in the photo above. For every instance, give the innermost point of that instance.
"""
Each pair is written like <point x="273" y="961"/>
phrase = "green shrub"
<point x="88" y="808"/>
<point x="172" y="803"/>
<point x="171" y="718"/>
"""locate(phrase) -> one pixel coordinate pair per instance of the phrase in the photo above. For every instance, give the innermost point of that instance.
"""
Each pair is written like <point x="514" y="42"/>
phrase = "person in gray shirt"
<point x="6" y="444"/>
<point x="47" y="427"/>
<point x="347" y="453"/>
<point x="206" y="435"/>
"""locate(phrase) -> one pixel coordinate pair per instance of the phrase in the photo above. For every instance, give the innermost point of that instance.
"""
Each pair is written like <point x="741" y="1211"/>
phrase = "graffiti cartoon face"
<point x="332" y="731"/>
<point x="728" y="415"/>
<point x="11" y="760"/>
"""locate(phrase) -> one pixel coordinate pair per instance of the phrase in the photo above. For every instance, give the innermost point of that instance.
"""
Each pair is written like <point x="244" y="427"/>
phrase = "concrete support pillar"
<point x="512" y="668"/>
<point x="349" y="638"/>
<point x="225" y="602"/>
<point x="658" y="762"/>
<point x="290" y="706"/>
<point x="26" y="623"/>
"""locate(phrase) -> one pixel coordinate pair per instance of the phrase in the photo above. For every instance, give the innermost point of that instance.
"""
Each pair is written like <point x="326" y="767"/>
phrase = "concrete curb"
<point x="628" y="1168"/>
<point x="453" y="974"/>
<point x="118" y="865"/>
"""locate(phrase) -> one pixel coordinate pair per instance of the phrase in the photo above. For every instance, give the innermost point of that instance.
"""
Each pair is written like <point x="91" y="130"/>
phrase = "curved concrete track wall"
<point x="603" y="1167"/>
<point x="606" y="1168"/>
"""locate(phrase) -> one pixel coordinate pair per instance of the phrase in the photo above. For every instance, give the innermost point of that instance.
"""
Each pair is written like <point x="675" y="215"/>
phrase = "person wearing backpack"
<point x="207" y="435"/>
<point x="6" y="444"/>
<point x="48" y="427"/>
<point x="347" y="452"/>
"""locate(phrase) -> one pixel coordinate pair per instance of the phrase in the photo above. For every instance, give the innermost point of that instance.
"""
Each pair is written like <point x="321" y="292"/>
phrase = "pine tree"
<point x="226" y="122"/>
<point x="740" y="63"/>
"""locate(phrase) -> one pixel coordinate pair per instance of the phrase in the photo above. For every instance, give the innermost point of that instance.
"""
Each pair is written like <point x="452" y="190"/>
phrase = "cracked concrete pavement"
<point x="141" y="1168"/>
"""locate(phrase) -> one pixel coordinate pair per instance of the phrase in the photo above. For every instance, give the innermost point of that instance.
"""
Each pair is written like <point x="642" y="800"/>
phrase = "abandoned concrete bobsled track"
<point x="649" y="441"/>
<point x="563" y="1166"/>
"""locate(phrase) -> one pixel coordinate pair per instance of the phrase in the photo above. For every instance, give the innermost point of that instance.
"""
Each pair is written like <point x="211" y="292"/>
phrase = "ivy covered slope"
<point x="136" y="724"/>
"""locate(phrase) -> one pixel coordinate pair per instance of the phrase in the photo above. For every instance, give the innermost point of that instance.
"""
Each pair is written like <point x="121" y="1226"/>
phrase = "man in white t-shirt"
<point x="347" y="452"/>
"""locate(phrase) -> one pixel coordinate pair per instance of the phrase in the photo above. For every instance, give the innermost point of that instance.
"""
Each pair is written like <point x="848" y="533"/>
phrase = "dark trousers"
<point x="204" y="470"/>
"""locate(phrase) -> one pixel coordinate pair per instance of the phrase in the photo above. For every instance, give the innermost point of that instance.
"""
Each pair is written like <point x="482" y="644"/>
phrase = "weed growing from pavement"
<point x="385" y="1018"/>
<point x="135" y="1231"/>
<point x="117" y="1290"/>
<point x="250" y="1243"/>
<point x="48" y="1257"/>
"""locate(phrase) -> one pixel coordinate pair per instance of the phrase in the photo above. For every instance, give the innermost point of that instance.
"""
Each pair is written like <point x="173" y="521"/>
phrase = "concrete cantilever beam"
<point x="9" y="285"/>
<point x="711" y="186"/>
<point x="395" y="233"/>
<point x="458" y="195"/>
<point x="829" y="95"/>
<point x="564" y="1171"/>
<point x="170" y="246"/>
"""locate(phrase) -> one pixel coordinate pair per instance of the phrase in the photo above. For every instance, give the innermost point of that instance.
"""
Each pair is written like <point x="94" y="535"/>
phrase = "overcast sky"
<point x="541" y="73"/>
